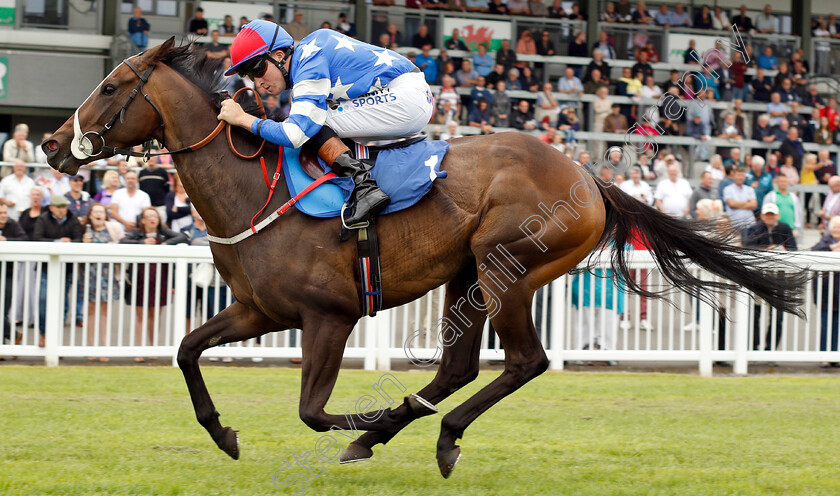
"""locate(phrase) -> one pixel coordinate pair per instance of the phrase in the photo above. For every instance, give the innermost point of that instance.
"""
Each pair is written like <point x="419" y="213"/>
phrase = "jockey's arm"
<point x="306" y="116"/>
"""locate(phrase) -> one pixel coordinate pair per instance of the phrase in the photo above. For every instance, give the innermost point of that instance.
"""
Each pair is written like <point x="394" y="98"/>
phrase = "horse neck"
<point x="225" y="189"/>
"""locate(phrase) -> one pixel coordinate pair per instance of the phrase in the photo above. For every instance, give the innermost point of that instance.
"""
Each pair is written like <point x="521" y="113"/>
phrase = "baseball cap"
<point x="58" y="201"/>
<point x="770" y="208"/>
<point x="77" y="176"/>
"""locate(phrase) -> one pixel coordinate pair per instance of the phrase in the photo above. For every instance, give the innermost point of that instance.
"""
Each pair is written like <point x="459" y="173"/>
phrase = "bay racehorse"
<point x="296" y="274"/>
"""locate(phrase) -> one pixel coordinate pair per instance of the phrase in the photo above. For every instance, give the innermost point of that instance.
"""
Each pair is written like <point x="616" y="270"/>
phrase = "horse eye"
<point x="108" y="89"/>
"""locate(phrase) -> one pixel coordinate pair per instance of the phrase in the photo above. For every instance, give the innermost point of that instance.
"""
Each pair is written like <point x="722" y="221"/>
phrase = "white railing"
<point x="680" y="329"/>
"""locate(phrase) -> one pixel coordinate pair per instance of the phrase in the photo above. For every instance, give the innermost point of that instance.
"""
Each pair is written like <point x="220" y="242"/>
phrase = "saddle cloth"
<point x="405" y="174"/>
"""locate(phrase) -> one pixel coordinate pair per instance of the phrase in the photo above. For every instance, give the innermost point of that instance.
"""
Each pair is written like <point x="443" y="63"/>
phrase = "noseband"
<point x="144" y="78"/>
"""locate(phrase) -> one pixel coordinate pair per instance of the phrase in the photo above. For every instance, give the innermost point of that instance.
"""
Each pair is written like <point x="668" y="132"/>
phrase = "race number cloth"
<point x="405" y="174"/>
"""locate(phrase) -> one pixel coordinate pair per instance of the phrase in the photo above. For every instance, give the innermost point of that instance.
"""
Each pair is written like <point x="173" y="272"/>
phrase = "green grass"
<point x="131" y="430"/>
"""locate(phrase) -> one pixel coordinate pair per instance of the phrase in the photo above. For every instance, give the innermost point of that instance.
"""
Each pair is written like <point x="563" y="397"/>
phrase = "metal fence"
<point x="99" y="300"/>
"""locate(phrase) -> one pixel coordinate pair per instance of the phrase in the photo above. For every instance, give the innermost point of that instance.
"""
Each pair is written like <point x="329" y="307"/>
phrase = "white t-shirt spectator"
<point x="641" y="191"/>
<point x="16" y="192"/>
<point x="674" y="196"/>
<point x="130" y="206"/>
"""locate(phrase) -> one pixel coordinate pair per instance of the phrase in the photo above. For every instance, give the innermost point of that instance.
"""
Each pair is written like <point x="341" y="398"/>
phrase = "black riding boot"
<point x="369" y="198"/>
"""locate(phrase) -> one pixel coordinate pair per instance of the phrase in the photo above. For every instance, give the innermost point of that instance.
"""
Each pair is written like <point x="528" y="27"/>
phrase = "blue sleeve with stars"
<point x="328" y="65"/>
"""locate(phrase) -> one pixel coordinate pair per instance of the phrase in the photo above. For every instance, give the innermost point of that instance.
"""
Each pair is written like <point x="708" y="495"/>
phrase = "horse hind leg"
<point x="458" y="365"/>
<point x="524" y="360"/>
<point x="235" y="323"/>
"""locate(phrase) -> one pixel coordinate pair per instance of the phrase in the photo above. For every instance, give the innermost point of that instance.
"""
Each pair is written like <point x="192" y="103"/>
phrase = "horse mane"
<point x="207" y="74"/>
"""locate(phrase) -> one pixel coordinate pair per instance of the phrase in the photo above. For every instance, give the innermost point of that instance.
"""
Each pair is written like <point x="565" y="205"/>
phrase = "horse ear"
<point x="163" y="49"/>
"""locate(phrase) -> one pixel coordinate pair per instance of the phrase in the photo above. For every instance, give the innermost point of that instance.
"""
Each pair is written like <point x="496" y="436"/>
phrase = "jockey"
<point x="341" y="88"/>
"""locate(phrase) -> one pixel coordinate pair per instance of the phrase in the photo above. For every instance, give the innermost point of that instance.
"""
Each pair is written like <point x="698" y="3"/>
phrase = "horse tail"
<point x="675" y="242"/>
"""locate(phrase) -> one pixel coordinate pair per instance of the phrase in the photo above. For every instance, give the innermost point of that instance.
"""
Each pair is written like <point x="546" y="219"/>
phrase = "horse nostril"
<point x="50" y="146"/>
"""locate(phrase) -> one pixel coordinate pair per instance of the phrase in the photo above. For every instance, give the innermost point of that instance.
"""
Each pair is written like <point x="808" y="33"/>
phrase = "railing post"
<point x="370" y="343"/>
<point x="705" y="336"/>
<point x="558" y="322"/>
<point x="54" y="325"/>
<point x="179" y="316"/>
<point x="382" y="324"/>
<point x="740" y="334"/>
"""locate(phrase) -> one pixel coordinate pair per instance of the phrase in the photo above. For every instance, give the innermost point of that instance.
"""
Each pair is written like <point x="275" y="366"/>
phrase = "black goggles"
<point x="254" y="68"/>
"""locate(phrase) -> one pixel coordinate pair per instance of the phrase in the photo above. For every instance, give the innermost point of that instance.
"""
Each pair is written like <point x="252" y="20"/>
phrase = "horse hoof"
<point x="448" y="460"/>
<point x="355" y="452"/>
<point x="419" y="406"/>
<point x="229" y="442"/>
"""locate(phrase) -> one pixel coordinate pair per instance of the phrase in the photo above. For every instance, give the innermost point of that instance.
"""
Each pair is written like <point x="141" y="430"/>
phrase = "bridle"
<point x="120" y="114"/>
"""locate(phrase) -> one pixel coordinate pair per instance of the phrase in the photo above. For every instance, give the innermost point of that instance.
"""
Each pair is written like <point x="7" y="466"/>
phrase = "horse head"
<point x="117" y="114"/>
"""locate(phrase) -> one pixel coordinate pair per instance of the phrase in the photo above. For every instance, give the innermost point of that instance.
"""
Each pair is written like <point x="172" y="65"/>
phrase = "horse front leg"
<point x="324" y="339"/>
<point x="235" y="323"/>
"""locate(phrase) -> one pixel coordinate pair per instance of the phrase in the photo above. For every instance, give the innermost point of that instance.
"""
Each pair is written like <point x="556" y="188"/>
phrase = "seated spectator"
<point x="501" y="105"/>
<point x="742" y="21"/>
<point x="691" y="56"/>
<point x="780" y="132"/>
<point x="544" y="45"/>
<point x="728" y="129"/>
<point x="568" y="122"/>
<point x="652" y="52"/>
<point x="790" y="209"/>
<point x="709" y="81"/>
<point x="637" y="188"/>
<point x="787" y="168"/>
<point x="831" y="205"/>
<point x="577" y="47"/>
<point x="672" y="194"/>
<point x="795" y="119"/>
<point x="766" y="22"/>
<point x="513" y="83"/>
<point x="518" y="7"/>
<point x="628" y="85"/>
<point x="138" y="29"/>
<point x="546" y="107"/>
<point x="242" y="22"/>
<point x="830" y="112"/>
<point x="641" y="15"/>
<point x="297" y="29"/>
<point x="79" y="200"/>
<point x="14" y="190"/>
<point x="455" y="42"/>
<point x="776" y="108"/>
<point x="596" y="82"/>
<point x="423" y="38"/>
<point x="549" y="135"/>
<point x="616" y="122"/>
<point x="527" y="80"/>
<point x="198" y="24"/>
<point x="481" y="91"/>
<point x="575" y="14"/>
<point x="812" y="97"/>
<point x="525" y="46"/>
<point x="603" y="44"/>
<point x="110" y="184"/>
<point x="703" y="19"/>
<point x="793" y="146"/>
<point x="599" y="63"/>
<point x="348" y="28"/>
<point x="663" y="17"/>
<point x="758" y="178"/>
<point x="127" y="203"/>
<point x="396" y="38"/>
<point x="664" y="160"/>
<point x="227" y="28"/>
<point x="451" y="131"/>
<point x="829" y="305"/>
<point x="446" y="112"/>
<point x="699" y="130"/>
<point x="720" y="20"/>
<point x="482" y="6"/>
<point x="570" y="84"/>
<point x="497" y="75"/>
<point x="786" y="92"/>
<point x="505" y="55"/>
<point x="498" y="8"/>
<point x="522" y="117"/>
<point x="608" y="15"/>
<point x="740" y="201"/>
<point x="704" y="190"/>
<point x="214" y="49"/>
<point x="642" y="65"/>
<point x="767" y="60"/>
<point x="466" y="75"/>
<point x="447" y="69"/>
<point x="650" y="90"/>
<point x="716" y="170"/>
<point x="480" y="117"/>
<point x="483" y="61"/>
<point x="734" y="159"/>
<point x="18" y="148"/>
